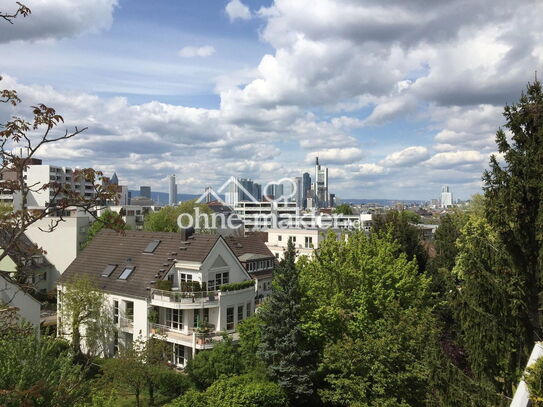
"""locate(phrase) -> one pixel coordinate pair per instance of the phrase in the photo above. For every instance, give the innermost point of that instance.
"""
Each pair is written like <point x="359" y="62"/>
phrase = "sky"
<point x="397" y="98"/>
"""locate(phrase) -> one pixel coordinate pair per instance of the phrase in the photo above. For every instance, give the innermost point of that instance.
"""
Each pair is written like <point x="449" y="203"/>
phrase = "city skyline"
<point x="394" y="107"/>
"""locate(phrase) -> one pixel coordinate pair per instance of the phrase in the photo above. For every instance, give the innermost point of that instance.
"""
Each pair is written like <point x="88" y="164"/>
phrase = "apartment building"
<point x="257" y="259"/>
<point x="262" y="215"/>
<point x="306" y="241"/>
<point x="63" y="243"/>
<point x="185" y="288"/>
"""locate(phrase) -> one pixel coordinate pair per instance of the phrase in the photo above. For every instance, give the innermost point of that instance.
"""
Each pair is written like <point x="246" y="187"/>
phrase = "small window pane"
<point x="108" y="270"/>
<point x="151" y="247"/>
<point x="126" y="273"/>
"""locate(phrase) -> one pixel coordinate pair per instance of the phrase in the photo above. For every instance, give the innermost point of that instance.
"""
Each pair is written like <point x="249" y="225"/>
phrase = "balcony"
<point x="191" y="338"/>
<point x="126" y="324"/>
<point x="179" y="299"/>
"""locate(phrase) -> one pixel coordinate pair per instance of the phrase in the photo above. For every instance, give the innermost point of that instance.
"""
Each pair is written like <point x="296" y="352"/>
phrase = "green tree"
<point x="285" y="349"/>
<point x="82" y="304"/>
<point x="401" y="225"/>
<point x="223" y="360"/>
<point x="165" y="220"/>
<point x="513" y="189"/>
<point x="126" y="372"/>
<point x="487" y="303"/>
<point x="369" y="313"/>
<point x="39" y="372"/>
<point x="534" y="380"/>
<point x="343" y="209"/>
<point x="250" y="337"/>
<point x="146" y="360"/>
<point x="103" y="221"/>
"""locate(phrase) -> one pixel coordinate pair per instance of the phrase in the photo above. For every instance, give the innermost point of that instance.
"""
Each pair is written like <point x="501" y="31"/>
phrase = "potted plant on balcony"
<point x="152" y="316"/>
<point x="202" y="332"/>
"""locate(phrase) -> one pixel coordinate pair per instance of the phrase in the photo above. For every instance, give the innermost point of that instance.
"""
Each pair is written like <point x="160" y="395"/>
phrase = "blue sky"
<point x="396" y="99"/>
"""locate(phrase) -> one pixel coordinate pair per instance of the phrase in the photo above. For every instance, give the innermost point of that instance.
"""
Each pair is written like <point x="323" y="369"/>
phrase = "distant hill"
<point x="162" y="198"/>
<point x="382" y="202"/>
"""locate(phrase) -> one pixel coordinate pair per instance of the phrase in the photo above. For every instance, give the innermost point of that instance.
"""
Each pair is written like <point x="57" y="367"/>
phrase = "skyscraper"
<point x="306" y="187"/>
<point x="145" y="192"/>
<point x="173" y="191"/>
<point x="321" y="185"/>
<point x="299" y="196"/>
<point x="446" y="197"/>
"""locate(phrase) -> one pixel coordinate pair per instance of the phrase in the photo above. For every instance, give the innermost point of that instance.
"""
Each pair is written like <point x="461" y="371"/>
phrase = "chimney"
<point x="186" y="233"/>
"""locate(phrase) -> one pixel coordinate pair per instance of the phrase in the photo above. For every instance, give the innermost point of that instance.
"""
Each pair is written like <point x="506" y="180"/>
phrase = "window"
<point x="151" y="247"/>
<point x="115" y="312"/>
<point x="110" y="268"/>
<point x="293" y="239"/>
<point x="240" y="313"/>
<point x="308" y="242"/>
<point x="178" y="354"/>
<point x="248" y="309"/>
<point x="126" y="273"/>
<point x="229" y="318"/>
<point x="174" y="318"/>
<point x="129" y="310"/>
<point x="211" y="285"/>
<point x="277" y="255"/>
<point x="206" y="315"/>
<point x="186" y="277"/>
<point x="221" y="278"/>
<point x="279" y="238"/>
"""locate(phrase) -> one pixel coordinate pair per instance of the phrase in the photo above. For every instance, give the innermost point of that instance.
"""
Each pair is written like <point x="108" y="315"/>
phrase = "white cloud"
<point x="336" y="155"/>
<point x="452" y="159"/>
<point x="191" y="51"/>
<point x="237" y="10"/>
<point x="406" y="157"/>
<point x="55" y="19"/>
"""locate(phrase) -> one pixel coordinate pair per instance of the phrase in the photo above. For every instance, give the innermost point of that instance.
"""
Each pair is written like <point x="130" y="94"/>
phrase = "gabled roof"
<point x="249" y="245"/>
<point x="127" y="249"/>
<point x="23" y="249"/>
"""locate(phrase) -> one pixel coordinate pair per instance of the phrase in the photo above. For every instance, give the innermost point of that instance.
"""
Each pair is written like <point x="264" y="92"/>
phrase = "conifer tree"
<point x="284" y="348"/>
<point x="514" y="197"/>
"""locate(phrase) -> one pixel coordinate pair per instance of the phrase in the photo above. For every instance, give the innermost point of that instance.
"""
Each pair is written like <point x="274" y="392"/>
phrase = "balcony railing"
<point x="201" y="338"/>
<point x="126" y="323"/>
<point x="180" y="297"/>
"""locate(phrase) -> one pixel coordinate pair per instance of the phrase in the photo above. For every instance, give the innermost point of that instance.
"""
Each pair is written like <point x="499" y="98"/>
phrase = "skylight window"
<point x="126" y="273"/>
<point x="110" y="268"/>
<point x="151" y="247"/>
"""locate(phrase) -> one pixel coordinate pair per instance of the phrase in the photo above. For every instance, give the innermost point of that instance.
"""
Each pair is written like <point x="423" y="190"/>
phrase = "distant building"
<point x="299" y="196"/>
<point x="243" y="190"/>
<point x="173" y="191"/>
<point x="145" y="192"/>
<point x="320" y="186"/>
<point x="446" y="197"/>
<point x="306" y="188"/>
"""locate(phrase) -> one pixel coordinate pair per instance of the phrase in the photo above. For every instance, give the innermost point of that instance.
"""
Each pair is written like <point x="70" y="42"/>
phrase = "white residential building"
<point x="261" y="215"/>
<point x="134" y="270"/>
<point x="306" y="241"/>
<point x="63" y="244"/>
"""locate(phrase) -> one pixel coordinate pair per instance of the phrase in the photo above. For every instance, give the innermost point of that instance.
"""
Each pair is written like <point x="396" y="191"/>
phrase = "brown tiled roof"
<point x="253" y="244"/>
<point x="109" y="247"/>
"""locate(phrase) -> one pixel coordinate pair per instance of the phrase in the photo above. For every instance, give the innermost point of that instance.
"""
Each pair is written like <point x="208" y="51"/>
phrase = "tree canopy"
<point x="165" y="220"/>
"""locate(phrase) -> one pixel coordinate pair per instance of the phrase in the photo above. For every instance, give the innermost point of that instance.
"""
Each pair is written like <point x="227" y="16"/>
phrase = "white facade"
<point x="320" y="186"/>
<point x="306" y="241"/>
<point x="63" y="244"/>
<point x="259" y="215"/>
<point x="27" y="307"/>
<point x="36" y="175"/>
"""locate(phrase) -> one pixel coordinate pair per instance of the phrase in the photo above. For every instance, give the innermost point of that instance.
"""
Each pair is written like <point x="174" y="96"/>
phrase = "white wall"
<point x="62" y="245"/>
<point x="12" y="295"/>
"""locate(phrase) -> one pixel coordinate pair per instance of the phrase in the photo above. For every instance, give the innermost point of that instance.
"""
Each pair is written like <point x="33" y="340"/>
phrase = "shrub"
<point x="165" y="285"/>
<point x="237" y="286"/>
<point x="173" y="384"/>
